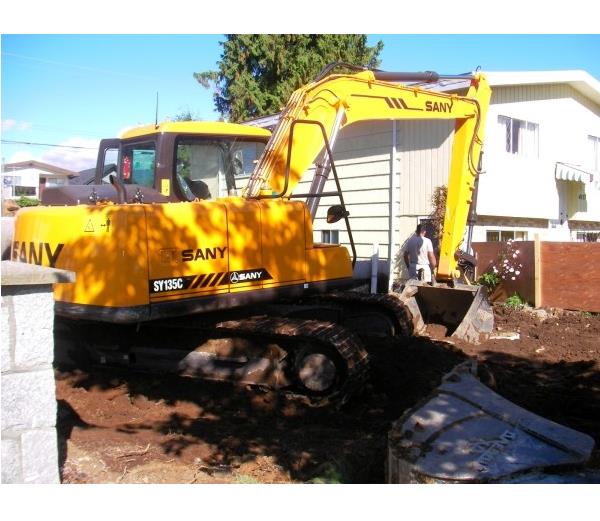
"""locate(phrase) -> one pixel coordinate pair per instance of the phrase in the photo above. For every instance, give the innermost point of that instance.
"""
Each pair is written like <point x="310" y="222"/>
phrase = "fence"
<point x="554" y="274"/>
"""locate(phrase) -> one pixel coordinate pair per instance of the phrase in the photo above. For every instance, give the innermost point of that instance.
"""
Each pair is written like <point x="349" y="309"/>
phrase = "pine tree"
<point x="258" y="72"/>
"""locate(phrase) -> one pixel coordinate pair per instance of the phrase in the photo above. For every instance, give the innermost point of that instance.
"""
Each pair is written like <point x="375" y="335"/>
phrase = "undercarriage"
<point x="313" y="350"/>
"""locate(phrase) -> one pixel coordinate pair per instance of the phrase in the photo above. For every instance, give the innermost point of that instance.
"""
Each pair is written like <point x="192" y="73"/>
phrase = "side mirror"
<point x="336" y="212"/>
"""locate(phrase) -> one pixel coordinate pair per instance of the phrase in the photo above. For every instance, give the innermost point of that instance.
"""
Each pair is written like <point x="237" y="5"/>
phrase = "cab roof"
<point x="209" y="128"/>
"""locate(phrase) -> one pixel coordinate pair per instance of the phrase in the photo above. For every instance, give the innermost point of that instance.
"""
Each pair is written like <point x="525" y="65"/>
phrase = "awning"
<point x="569" y="172"/>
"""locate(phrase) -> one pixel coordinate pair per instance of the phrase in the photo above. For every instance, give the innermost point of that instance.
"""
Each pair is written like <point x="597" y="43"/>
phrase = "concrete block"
<point x="7" y="326"/>
<point x="28" y="400"/>
<point x="11" y="461"/>
<point x="39" y="454"/>
<point x="22" y="274"/>
<point x="34" y="326"/>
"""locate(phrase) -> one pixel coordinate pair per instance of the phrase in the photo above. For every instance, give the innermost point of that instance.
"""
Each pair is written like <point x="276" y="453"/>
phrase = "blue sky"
<point x="76" y="89"/>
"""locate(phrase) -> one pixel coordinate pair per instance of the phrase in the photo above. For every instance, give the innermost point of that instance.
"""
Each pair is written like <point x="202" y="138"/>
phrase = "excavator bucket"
<point x="464" y="309"/>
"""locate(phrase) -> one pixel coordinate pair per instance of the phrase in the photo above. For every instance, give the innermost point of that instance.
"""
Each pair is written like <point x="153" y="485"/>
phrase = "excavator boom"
<point x="339" y="100"/>
<point x="317" y="112"/>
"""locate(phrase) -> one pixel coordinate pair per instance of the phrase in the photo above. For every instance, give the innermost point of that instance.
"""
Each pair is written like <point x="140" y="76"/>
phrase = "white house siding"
<point x="363" y="160"/>
<point x="425" y="150"/>
<point x="30" y="177"/>
<point x="363" y="156"/>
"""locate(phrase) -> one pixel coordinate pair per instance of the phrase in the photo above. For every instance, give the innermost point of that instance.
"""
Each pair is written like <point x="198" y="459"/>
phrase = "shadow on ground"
<point x="226" y="426"/>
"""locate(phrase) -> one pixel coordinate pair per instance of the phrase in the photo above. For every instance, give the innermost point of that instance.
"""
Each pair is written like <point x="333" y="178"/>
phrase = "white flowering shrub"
<point x="507" y="266"/>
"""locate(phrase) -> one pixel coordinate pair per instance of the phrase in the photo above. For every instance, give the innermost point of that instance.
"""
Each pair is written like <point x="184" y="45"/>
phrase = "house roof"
<point x="84" y="177"/>
<point x="88" y="176"/>
<point x="578" y="79"/>
<point x="23" y="165"/>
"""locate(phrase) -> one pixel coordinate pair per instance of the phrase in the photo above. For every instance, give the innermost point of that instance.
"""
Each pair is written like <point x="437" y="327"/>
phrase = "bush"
<point x="515" y="301"/>
<point x="507" y="265"/>
<point x="27" y="201"/>
<point x="489" y="279"/>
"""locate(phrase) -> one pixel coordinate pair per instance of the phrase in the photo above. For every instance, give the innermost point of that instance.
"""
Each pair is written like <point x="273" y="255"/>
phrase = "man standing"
<point x="418" y="256"/>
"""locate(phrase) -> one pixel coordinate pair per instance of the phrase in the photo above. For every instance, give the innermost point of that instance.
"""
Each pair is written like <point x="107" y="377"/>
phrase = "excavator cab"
<point x="169" y="162"/>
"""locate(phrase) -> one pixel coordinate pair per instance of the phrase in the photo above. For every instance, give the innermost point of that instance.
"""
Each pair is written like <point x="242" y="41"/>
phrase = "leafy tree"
<point x="184" y="115"/>
<point x="258" y="72"/>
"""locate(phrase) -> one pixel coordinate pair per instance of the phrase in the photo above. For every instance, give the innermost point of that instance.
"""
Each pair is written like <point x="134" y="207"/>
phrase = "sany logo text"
<point x="249" y="275"/>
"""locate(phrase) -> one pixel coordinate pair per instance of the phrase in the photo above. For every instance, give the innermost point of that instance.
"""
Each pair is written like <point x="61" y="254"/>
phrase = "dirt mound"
<point x="116" y="427"/>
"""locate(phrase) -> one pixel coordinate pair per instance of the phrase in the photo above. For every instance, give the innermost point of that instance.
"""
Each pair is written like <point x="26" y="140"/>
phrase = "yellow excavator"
<point x="224" y="285"/>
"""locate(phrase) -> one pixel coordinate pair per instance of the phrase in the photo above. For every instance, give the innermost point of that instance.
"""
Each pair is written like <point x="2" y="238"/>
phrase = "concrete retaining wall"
<point x="29" y="442"/>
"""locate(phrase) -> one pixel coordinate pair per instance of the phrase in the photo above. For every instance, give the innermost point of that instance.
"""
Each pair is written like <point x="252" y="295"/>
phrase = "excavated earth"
<point x="117" y="427"/>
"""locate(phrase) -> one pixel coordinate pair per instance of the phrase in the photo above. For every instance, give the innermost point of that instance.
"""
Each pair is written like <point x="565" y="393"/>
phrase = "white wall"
<point x="526" y="187"/>
<point x="365" y="159"/>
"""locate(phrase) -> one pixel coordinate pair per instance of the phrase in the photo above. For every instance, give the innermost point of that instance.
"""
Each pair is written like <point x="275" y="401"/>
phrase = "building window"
<point x="582" y="201"/>
<point x="588" y="236"/>
<point x="25" y="190"/>
<point x="505" y="235"/>
<point x="330" y="236"/>
<point x="594" y="152"/>
<point x="521" y="137"/>
<point x="55" y="181"/>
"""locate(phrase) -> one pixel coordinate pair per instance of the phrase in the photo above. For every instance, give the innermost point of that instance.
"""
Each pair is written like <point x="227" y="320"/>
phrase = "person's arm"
<point x="431" y="255"/>
<point x="406" y="258"/>
<point x="432" y="260"/>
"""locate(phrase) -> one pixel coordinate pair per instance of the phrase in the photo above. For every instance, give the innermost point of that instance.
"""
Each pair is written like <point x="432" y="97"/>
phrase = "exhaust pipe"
<point x="121" y="194"/>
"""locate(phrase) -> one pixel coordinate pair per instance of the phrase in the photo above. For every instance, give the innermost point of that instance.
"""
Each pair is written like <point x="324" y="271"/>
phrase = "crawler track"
<point x="276" y="350"/>
<point x="389" y="304"/>
<point x="325" y="335"/>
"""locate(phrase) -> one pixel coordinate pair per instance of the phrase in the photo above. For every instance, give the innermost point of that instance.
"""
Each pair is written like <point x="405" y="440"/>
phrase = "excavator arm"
<point x="337" y="101"/>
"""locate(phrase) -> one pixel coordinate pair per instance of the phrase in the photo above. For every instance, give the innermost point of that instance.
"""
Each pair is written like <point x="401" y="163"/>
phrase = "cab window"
<point x="138" y="164"/>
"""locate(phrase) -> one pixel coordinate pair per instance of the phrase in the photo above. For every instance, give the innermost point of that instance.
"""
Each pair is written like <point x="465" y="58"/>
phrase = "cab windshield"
<point x="203" y="167"/>
<point x="208" y="168"/>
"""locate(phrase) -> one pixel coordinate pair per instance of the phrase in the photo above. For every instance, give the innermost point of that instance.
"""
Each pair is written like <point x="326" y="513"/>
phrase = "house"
<point x="542" y="157"/>
<point x="541" y="168"/>
<point x="29" y="178"/>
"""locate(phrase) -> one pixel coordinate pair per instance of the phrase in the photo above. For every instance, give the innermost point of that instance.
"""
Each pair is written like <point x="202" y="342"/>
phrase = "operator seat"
<point x="199" y="188"/>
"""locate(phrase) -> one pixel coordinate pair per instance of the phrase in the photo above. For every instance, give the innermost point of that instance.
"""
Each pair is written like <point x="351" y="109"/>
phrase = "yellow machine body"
<point x="208" y="128"/>
<point x="132" y="261"/>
